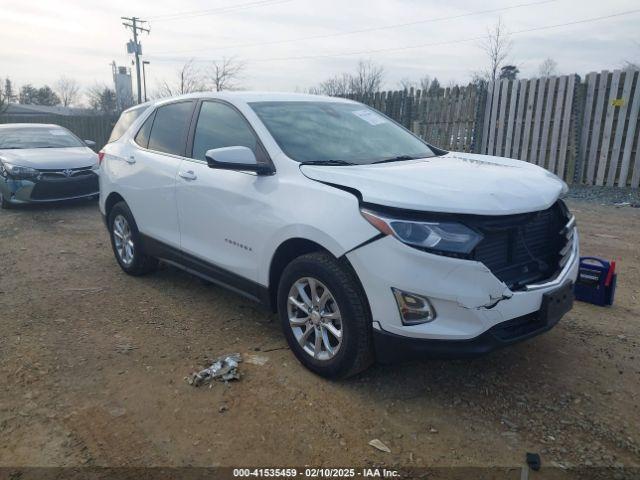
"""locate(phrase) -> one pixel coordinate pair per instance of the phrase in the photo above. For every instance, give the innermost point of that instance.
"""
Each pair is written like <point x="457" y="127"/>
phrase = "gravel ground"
<point x="626" y="197"/>
<point x="94" y="361"/>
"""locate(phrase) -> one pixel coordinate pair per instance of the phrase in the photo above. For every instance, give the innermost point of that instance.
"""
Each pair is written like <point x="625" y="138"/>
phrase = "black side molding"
<point x="206" y="270"/>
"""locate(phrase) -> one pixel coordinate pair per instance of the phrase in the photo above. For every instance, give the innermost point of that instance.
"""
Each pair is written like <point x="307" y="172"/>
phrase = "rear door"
<point x="151" y="167"/>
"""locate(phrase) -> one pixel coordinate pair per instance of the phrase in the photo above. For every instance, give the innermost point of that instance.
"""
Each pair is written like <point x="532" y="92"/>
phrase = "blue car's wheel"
<point x="4" y="203"/>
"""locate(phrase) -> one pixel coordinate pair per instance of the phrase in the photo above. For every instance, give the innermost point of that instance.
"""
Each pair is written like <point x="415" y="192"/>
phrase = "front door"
<point x="221" y="212"/>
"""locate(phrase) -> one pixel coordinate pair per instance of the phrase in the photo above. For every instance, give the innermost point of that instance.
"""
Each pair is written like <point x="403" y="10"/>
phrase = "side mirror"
<point x="90" y="143"/>
<point x="236" y="158"/>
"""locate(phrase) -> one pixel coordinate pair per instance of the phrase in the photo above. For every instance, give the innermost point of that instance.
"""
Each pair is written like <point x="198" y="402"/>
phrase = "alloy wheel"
<point x="314" y="318"/>
<point x="123" y="240"/>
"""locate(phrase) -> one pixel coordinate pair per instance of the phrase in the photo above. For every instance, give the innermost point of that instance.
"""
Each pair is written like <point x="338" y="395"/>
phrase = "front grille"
<point x="57" y="184"/>
<point x="526" y="248"/>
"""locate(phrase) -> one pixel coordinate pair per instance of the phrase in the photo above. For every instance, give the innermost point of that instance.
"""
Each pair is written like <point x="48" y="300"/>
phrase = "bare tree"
<point x="548" y="68"/>
<point x="632" y="64"/>
<point x="189" y="80"/>
<point x="336" y="86"/>
<point x="225" y="74"/>
<point x="4" y="98"/>
<point x="497" y="46"/>
<point x="406" y="83"/>
<point x="367" y="79"/>
<point x="68" y="90"/>
<point x="425" y="83"/>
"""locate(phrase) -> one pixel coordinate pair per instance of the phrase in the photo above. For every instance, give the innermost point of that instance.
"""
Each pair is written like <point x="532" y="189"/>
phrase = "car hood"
<point x="51" y="158"/>
<point x="451" y="183"/>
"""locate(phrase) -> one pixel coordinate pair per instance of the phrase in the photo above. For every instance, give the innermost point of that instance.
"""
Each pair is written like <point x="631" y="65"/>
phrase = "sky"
<point x="289" y="45"/>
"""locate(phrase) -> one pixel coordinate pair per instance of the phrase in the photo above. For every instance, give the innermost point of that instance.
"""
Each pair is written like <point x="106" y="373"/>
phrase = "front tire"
<point x="325" y="316"/>
<point x="127" y="243"/>
<point x="4" y="203"/>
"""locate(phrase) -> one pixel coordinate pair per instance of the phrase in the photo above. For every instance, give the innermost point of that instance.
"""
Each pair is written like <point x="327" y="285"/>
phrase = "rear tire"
<point x="329" y="332"/>
<point x="127" y="242"/>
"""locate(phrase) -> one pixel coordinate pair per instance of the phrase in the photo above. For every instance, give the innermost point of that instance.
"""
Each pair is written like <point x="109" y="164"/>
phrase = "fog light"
<point x="414" y="309"/>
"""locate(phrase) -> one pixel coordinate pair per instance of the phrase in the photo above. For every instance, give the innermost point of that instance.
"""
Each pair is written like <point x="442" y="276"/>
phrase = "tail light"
<point x="100" y="156"/>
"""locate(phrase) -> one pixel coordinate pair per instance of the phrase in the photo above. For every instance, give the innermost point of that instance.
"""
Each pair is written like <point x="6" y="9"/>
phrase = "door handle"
<point x="188" y="174"/>
<point x="130" y="159"/>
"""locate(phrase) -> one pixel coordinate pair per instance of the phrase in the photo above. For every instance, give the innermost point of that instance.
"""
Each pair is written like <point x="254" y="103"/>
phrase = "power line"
<point x="450" y="42"/>
<point x="366" y="30"/>
<point x="215" y="11"/>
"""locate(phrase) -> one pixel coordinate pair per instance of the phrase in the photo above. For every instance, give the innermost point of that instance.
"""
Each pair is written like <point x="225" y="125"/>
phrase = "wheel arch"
<point x="293" y="248"/>
<point x="112" y="199"/>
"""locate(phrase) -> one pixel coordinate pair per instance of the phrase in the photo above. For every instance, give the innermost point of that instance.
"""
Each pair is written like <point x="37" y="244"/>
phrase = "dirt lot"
<point x="93" y="367"/>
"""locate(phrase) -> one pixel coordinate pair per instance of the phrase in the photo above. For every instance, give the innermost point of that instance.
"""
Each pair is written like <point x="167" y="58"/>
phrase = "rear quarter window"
<point x="124" y="122"/>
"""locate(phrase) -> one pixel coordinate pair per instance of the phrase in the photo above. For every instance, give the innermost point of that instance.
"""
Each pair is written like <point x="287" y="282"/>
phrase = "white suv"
<point x="370" y="243"/>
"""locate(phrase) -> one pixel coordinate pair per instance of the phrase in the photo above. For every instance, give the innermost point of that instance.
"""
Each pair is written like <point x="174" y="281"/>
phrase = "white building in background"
<point x="123" y="86"/>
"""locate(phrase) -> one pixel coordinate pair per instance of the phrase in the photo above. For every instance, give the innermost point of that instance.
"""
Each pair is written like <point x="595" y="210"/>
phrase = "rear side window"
<point x="142" y="137"/>
<point x="124" y="122"/>
<point x="221" y="126"/>
<point x="169" y="131"/>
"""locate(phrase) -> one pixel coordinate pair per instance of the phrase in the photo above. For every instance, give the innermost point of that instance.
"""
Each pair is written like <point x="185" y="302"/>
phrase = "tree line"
<point x="65" y="92"/>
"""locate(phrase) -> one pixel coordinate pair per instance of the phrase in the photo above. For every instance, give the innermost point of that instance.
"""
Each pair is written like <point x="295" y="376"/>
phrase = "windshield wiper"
<point x="399" y="158"/>
<point x="326" y="162"/>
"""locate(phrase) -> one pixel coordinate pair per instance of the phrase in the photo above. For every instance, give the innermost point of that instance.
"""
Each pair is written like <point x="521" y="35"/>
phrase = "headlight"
<point x="17" y="172"/>
<point x="439" y="236"/>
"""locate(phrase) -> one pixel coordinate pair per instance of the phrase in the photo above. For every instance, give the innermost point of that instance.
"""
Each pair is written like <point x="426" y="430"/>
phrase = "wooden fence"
<point x="533" y="120"/>
<point x="87" y="127"/>
<point x="584" y="131"/>
<point x="446" y="118"/>
<point x="609" y="140"/>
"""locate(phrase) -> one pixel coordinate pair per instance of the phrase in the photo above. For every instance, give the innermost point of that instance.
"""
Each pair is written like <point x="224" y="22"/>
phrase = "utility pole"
<point x="144" y="78"/>
<point x="136" y="46"/>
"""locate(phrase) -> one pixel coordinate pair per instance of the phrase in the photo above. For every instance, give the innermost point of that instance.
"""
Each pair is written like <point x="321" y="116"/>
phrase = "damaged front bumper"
<point x="471" y="304"/>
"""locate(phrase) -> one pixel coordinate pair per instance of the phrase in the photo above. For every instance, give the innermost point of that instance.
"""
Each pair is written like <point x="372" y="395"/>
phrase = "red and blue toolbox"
<point x="596" y="281"/>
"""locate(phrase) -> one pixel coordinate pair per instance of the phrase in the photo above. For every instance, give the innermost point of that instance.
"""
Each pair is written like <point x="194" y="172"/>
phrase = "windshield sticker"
<point x="57" y="132"/>
<point x="370" y="117"/>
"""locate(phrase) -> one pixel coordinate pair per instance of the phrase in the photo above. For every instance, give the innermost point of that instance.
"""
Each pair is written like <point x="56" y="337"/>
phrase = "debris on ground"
<point x="375" y="443"/>
<point x="223" y="369"/>
<point x="257" y="360"/>
<point x="124" y="348"/>
<point x="533" y="460"/>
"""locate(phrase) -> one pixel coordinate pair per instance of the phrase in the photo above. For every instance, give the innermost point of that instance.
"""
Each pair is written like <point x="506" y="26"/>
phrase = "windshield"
<point x="37" y="137"/>
<point x="335" y="132"/>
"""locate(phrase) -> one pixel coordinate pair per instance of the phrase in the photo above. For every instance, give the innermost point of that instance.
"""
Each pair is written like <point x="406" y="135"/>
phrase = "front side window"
<point x="219" y="126"/>
<point x="38" y="137"/>
<point x="169" y="131"/>
<point x="337" y="132"/>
